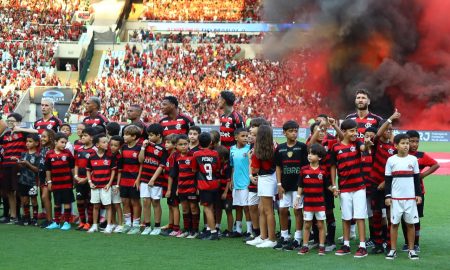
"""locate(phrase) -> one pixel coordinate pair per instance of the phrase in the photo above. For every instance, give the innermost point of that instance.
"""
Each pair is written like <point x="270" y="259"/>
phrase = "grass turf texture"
<point x="78" y="250"/>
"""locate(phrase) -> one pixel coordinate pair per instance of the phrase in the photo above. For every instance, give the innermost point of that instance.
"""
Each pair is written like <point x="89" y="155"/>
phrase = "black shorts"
<point x="27" y="191"/>
<point x="10" y="178"/>
<point x="188" y="197"/>
<point x="83" y="191"/>
<point x="226" y="204"/>
<point x="208" y="197"/>
<point x="41" y="178"/>
<point x="173" y="201"/>
<point x="377" y="198"/>
<point x="63" y="196"/>
<point x="329" y="200"/>
<point x="129" y="193"/>
<point x="421" y="206"/>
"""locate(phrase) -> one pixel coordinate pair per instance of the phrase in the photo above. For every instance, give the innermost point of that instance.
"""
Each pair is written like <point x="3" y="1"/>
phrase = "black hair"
<point x="182" y="137"/>
<point x="172" y="100"/>
<point x="313" y="126"/>
<point x="99" y="129"/>
<point x="239" y="131"/>
<point x="204" y="139"/>
<point x="362" y="91"/>
<point x="196" y="128"/>
<point x="215" y="137"/>
<point x="156" y="129"/>
<point x="91" y="131"/>
<point x="413" y="134"/>
<point x="228" y="96"/>
<point x="34" y="136"/>
<point x="399" y="137"/>
<point x="348" y="124"/>
<point x="60" y="136"/>
<point x="98" y="137"/>
<point x="117" y="138"/>
<point x="113" y="128"/>
<point x="16" y="116"/>
<point x="371" y="129"/>
<point x="317" y="149"/>
<point x="66" y="125"/>
<point x="96" y="100"/>
<point x="291" y="124"/>
<point x="258" y="121"/>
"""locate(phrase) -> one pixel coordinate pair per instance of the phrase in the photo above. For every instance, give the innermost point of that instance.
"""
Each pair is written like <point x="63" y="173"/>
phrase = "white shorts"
<point x="252" y="199"/>
<point x="99" y="195"/>
<point x="240" y="197"/>
<point x="267" y="185"/>
<point x="144" y="190"/>
<point x="155" y="193"/>
<point x="289" y="199"/>
<point x="406" y="209"/>
<point x="308" y="216"/>
<point x="354" y="205"/>
<point x="115" y="196"/>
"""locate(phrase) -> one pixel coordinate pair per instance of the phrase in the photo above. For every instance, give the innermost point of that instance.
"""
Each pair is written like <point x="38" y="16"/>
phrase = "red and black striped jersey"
<point x="60" y="166"/>
<point x="228" y="124"/>
<point x="370" y="120"/>
<point x="179" y="125"/>
<point x="182" y="170"/>
<point x="206" y="164"/>
<point x="53" y="123"/>
<point x="117" y="157"/>
<point x="328" y="145"/>
<point x="194" y="149"/>
<point x="77" y="145"/>
<point x="224" y="178"/>
<point x="82" y="156"/>
<point x="314" y="182"/>
<point x="144" y="135"/>
<point x="99" y="119"/>
<point x="101" y="169"/>
<point x="424" y="161"/>
<point x="347" y="159"/>
<point x="266" y="167"/>
<point x="169" y="165"/>
<point x="14" y="144"/>
<point x="381" y="152"/>
<point x="129" y="165"/>
<point x="366" y="167"/>
<point x="155" y="156"/>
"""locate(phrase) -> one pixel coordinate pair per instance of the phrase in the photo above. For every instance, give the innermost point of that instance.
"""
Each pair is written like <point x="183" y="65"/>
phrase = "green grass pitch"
<point x="27" y="247"/>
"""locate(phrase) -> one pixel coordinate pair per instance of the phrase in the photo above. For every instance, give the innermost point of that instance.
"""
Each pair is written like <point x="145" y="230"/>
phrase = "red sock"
<point x="26" y="212"/>
<point x="377" y="224"/>
<point x="57" y="210"/>
<point x="67" y="214"/>
<point x="35" y="211"/>
<point x="187" y="221"/>
<point x="90" y="209"/>
<point x="195" y="222"/>
<point x="176" y="227"/>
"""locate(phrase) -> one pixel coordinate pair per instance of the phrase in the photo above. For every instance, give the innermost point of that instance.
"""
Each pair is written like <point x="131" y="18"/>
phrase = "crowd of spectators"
<point x="202" y="10"/>
<point x="196" y="75"/>
<point x="47" y="20"/>
<point x="194" y="37"/>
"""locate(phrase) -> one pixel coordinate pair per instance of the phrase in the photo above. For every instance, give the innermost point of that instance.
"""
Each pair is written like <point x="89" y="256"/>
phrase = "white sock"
<point x="208" y="228"/>
<point x="136" y="222"/>
<point x="239" y="226"/>
<point x="285" y="234"/>
<point x="362" y="244"/>
<point x="127" y="218"/>
<point x="94" y="226"/>
<point x="346" y="243"/>
<point x="298" y="235"/>
<point x="249" y="227"/>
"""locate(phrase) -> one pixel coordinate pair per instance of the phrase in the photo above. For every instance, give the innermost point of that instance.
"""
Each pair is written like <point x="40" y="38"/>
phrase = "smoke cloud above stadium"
<point x="398" y="50"/>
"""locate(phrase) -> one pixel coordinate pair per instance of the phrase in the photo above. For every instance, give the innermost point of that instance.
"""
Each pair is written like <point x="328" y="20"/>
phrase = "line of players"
<point x="241" y="169"/>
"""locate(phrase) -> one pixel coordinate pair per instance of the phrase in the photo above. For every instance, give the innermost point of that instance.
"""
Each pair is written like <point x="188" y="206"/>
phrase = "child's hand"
<point x="49" y="186"/>
<point x="395" y="115"/>
<point x="116" y="189"/>
<point x="381" y="186"/>
<point x="368" y="141"/>
<point x="151" y="183"/>
<point x="137" y="184"/>
<point x="336" y="193"/>
<point x="91" y="184"/>
<point x="254" y="179"/>
<point x="168" y="193"/>
<point x="331" y="121"/>
<point x="280" y="192"/>
<point x="107" y="187"/>
<point x="418" y="200"/>
<point x="145" y="143"/>
<point x="388" y="201"/>
<point x="224" y="196"/>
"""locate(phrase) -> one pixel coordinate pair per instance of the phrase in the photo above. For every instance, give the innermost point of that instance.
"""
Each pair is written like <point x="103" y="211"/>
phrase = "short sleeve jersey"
<point x="402" y="170"/>
<point x="239" y="161"/>
<point x="228" y="124"/>
<point x="27" y="176"/>
<point x="290" y="160"/>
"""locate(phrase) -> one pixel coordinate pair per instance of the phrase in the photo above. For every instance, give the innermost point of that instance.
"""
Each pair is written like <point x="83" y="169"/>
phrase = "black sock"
<point x="257" y="232"/>
<point x="157" y="225"/>
<point x="147" y="224"/>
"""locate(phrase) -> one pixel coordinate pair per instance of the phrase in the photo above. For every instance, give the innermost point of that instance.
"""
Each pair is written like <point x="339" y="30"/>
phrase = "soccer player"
<point x="239" y="162"/>
<point x="115" y="144"/>
<point x="129" y="179"/>
<point x="263" y="165"/>
<point x="346" y="160"/>
<point x="47" y="144"/>
<point x="48" y="120"/>
<point x="13" y="142"/>
<point x="28" y="163"/>
<point x="312" y="184"/>
<point x="206" y="164"/>
<point x="101" y="168"/>
<point x="193" y="134"/>
<point x="289" y="157"/>
<point x="226" y="198"/>
<point x="153" y="157"/>
<point x="95" y="118"/>
<point x="186" y="188"/>
<point x="403" y="192"/>
<point x="230" y="120"/>
<point x="81" y="182"/>
<point x="174" y="122"/>
<point x="134" y="113"/>
<point x="59" y="164"/>
<point x="427" y="166"/>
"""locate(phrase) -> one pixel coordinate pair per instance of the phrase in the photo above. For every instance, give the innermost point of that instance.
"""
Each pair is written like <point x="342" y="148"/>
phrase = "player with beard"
<point x="94" y="118"/>
<point x="48" y="120"/>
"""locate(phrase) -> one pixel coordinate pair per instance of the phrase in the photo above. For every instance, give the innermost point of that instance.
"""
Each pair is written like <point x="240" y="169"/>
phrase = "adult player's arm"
<point x="25" y="130"/>
<point x="432" y="163"/>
